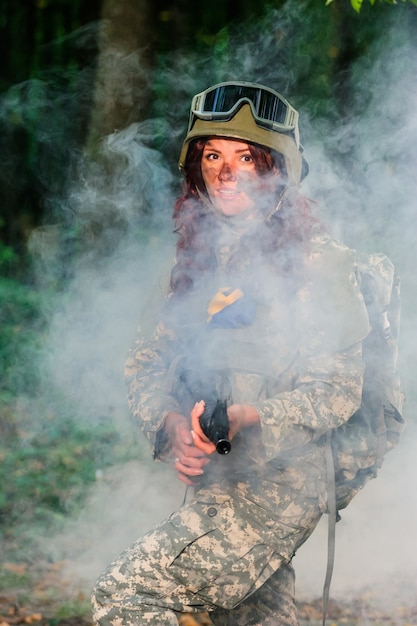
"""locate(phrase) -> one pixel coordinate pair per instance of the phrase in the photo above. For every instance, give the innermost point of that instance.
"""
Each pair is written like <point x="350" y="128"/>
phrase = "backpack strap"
<point x="332" y="519"/>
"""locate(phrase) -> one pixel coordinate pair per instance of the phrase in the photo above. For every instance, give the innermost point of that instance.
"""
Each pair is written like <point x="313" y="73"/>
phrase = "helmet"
<point x="249" y="112"/>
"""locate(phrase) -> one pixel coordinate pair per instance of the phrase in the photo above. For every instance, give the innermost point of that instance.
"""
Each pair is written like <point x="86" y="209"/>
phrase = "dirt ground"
<point x="37" y="594"/>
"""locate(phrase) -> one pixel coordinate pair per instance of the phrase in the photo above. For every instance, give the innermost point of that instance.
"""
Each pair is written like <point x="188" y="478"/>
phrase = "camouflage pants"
<point x="223" y="553"/>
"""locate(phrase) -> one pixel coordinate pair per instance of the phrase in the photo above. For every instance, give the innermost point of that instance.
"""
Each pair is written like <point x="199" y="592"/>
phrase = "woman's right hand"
<point x="189" y="460"/>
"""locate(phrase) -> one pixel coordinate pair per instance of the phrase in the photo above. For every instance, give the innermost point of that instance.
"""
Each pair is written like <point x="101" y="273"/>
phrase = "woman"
<point x="265" y="315"/>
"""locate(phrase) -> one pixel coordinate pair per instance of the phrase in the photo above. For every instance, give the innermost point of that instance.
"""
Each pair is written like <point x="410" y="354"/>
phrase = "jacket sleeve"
<point x="326" y="394"/>
<point x="147" y="374"/>
<point x="332" y="321"/>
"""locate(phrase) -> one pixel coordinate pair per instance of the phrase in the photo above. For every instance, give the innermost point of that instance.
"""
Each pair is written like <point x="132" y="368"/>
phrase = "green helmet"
<point x="249" y="112"/>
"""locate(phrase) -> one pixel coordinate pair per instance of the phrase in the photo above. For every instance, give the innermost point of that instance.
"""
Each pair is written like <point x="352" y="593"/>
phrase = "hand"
<point x="190" y="460"/>
<point x="201" y="441"/>
<point x="239" y="415"/>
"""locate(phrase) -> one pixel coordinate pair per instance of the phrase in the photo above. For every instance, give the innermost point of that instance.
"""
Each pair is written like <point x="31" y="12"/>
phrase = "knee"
<point x="101" y="603"/>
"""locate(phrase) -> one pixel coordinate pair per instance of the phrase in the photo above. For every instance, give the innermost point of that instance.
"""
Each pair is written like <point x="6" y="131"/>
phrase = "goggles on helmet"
<point x="269" y="109"/>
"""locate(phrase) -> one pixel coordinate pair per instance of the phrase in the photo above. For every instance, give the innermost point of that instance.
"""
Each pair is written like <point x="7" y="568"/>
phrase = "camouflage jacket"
<point x="295" y="354"/>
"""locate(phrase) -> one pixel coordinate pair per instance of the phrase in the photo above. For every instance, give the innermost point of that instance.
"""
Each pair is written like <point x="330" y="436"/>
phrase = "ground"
<point x="37" y="594"/>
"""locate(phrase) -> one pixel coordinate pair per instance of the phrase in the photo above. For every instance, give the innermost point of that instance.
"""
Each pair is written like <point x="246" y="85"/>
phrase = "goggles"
<point x="269" y="109"/>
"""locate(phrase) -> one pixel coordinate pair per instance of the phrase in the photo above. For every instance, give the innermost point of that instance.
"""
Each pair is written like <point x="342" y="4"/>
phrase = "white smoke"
<point x="371" y="204"/>
<point x="363" y="176"/>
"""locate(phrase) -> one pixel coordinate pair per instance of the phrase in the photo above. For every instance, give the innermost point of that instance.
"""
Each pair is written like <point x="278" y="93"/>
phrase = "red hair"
<point x="283" y="238"/>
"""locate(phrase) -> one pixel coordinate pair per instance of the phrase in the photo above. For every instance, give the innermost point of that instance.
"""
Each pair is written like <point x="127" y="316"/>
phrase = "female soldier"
<point x="264" y="315"/>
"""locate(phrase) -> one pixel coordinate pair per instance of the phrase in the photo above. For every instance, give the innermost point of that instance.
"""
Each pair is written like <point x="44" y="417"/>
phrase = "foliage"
<point x="45" y="476"/>
<point x="357" y="4"/>
<point x="69" y="608"/>
<point x="21" y="327"/>
<point x="48" y="454"/>
<point x="10" y="579"/>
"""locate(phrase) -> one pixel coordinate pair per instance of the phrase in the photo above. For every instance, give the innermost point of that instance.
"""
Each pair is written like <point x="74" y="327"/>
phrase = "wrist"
<point x="172" y="420"/>
<point x="242" y="416"/>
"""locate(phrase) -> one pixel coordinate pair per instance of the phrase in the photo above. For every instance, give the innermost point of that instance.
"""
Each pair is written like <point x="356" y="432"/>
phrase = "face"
<point x="230" y="176"/>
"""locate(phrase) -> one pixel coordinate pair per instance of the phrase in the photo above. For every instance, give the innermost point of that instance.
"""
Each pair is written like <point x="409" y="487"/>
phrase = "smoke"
<point x="108" y="282"/>
<point x="111" y="245"/>
<point x="368" y="195"/>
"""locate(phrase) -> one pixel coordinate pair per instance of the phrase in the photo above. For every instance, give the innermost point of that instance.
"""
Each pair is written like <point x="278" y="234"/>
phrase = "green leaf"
<point x="356" y="4"/>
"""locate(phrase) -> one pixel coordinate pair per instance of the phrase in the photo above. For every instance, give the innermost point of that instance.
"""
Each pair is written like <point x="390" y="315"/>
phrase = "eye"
<point x="247" y="158"/>
<point x="211" y="156"/>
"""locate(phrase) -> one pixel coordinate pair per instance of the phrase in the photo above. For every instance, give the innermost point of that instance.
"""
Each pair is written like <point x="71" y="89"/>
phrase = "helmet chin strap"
<point x="284" y="193"/>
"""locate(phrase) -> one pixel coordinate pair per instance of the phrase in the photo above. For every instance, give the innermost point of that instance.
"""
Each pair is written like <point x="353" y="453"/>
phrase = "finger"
<point x="198" y="409"/>
<point x="188" y="452"/>
<point x="205" y="445"/>
<point x="184" y="436"/>
<point x="195" y="414"/>
<point x="186" y="469"/>
<point x="187" y="481"/>
<point x="195" y="462"/>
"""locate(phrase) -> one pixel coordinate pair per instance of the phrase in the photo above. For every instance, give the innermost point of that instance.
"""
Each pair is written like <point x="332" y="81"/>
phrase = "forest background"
<point x="94" y="100"/>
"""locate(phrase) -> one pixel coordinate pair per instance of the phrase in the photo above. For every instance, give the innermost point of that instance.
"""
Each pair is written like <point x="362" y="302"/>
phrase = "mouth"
<point x="228" y="193"/>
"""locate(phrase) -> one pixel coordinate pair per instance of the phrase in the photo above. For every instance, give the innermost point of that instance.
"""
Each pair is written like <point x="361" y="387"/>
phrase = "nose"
<point x="227" y="172"/>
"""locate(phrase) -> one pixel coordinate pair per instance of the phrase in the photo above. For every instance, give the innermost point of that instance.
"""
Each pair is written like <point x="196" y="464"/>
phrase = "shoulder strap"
<point x="332" y="519"/>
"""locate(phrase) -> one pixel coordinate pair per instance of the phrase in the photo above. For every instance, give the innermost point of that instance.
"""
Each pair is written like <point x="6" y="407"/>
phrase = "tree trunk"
<point x="122" y="80"/>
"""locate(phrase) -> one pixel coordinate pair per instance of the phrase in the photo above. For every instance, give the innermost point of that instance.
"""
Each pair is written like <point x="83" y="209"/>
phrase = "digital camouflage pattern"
<point x="229" y="549"/>
<point x="360" y="445"/>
